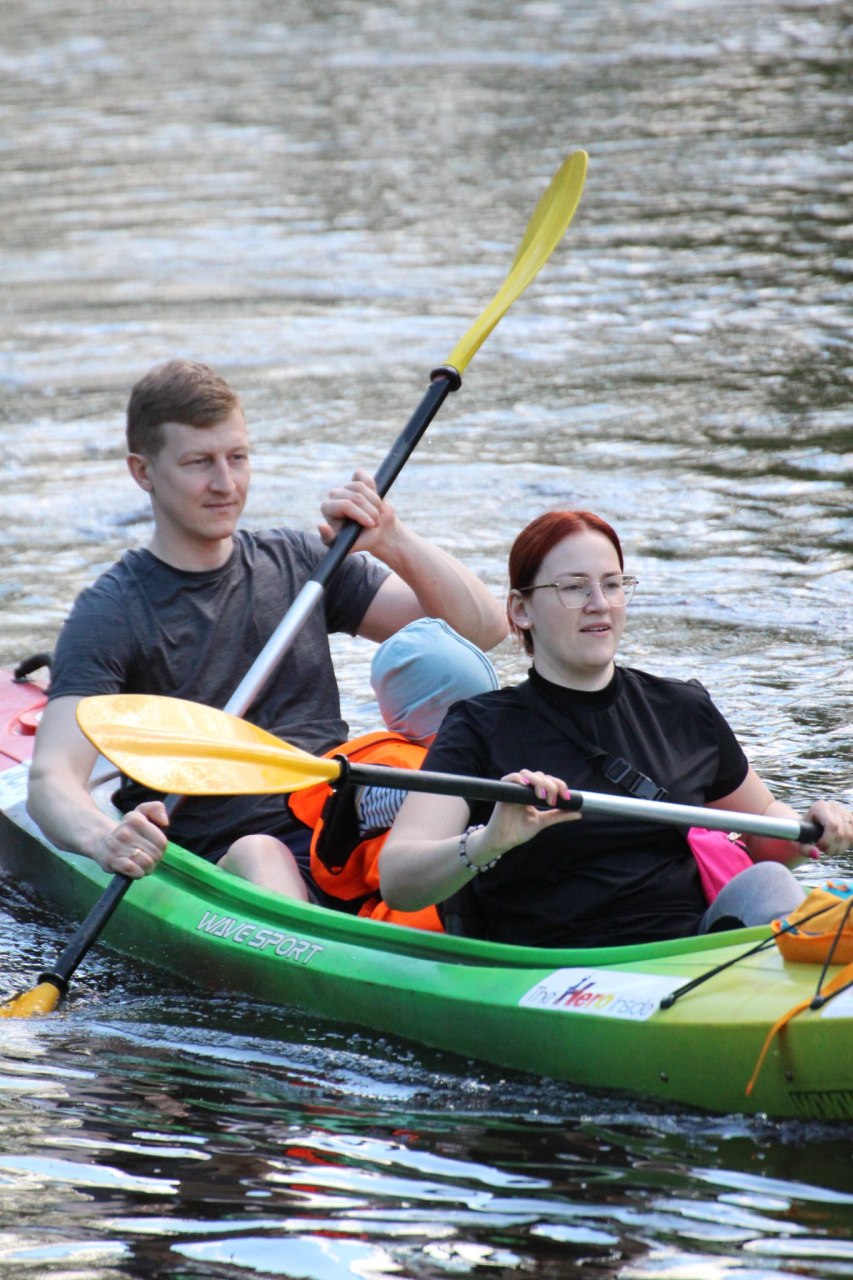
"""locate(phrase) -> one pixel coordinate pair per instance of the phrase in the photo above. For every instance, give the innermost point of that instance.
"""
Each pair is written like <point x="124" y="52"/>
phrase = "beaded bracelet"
<point x="463" y="852"/>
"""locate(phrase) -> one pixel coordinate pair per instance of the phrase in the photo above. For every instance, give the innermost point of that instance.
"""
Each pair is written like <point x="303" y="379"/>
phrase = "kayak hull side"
<point x="482" y="1000"/>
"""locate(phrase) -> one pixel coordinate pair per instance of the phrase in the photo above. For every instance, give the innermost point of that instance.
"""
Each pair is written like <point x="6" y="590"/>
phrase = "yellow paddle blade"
<point x="42" y="999"/>
<point x="186" y="749"/>
<point x="545" y="229"/>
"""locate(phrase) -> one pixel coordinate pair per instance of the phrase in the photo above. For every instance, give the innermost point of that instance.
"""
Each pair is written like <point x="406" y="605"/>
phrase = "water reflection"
<point x="277" y="1155"/>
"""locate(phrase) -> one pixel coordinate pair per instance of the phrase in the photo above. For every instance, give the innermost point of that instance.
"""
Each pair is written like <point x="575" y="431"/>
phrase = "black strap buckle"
<point x="622" y="774"/>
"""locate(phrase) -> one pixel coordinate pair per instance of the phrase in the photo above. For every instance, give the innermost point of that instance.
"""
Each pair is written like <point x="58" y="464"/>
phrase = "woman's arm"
<point x="421" y="861"/>
<point x="752" y="796"/>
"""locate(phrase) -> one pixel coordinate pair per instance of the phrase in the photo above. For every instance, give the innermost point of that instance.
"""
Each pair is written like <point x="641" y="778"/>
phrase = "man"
<point x="187" y="616"/>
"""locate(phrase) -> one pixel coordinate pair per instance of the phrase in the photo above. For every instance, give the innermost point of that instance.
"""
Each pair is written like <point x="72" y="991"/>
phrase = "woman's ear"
<point x="137" y="465"/>
<point x="518" y="610"/>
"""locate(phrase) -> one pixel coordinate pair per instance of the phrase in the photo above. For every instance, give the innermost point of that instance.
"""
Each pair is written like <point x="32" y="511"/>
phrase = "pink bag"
<point x="719" y="857"/>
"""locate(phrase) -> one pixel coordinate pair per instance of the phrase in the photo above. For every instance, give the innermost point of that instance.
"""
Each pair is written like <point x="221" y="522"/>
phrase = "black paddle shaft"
<point x="87" y="933"/>
<point x="442" y="381"/>
<point x="444" y="784"/>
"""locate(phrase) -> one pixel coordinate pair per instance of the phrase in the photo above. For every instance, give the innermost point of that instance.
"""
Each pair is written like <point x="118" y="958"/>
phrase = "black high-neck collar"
<point x="561" y="696"/>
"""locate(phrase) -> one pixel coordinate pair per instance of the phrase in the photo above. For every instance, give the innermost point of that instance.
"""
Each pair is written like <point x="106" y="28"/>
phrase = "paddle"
<point x="549" y="221"/>
<point x="169" y="744"/>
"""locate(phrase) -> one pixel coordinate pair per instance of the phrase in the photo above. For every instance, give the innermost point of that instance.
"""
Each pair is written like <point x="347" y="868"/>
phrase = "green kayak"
<point x="592" y="1018"/>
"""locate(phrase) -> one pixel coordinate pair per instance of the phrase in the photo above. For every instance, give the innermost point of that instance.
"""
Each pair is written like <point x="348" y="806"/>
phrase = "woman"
<point x="529" y="876"/>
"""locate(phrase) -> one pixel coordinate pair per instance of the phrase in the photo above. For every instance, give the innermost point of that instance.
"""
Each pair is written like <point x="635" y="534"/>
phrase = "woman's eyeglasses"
<point x="574" y="591"/>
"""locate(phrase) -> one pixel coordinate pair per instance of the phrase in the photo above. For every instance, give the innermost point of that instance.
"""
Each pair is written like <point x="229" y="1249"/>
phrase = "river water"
<point x="318" y="199"/>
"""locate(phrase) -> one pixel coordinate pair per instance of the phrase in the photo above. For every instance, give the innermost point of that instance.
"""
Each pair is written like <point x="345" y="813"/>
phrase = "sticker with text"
<point x="604" y="992"/>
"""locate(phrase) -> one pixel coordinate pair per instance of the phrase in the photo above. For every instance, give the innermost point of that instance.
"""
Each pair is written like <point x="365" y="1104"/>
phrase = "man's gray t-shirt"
<point x="145" y="627"/>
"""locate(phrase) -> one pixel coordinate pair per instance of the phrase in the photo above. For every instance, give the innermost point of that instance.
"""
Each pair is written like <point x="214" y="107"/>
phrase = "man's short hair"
<point x="178" y="391"/>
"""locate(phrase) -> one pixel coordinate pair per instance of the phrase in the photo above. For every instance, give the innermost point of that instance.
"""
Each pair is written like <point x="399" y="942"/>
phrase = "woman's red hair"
<point x="537" y="539"/>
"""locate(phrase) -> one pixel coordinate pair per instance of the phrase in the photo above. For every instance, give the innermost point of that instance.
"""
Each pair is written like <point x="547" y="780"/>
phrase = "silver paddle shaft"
<point x="681" y="815"/>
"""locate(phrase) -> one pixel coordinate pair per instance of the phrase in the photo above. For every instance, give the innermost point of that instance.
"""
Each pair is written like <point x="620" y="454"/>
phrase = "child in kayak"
<point x="542" y="877"/>
<point x="416" y="676"/>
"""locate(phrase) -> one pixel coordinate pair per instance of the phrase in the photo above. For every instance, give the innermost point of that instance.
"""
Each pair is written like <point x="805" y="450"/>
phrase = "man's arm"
<point x="425" y="581"/>
<point x="59" y="800"/>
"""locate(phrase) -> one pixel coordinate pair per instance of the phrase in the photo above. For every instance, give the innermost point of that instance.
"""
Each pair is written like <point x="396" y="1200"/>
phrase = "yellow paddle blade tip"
<point x="33" y="1004"/>
<point x="550" y="219"/>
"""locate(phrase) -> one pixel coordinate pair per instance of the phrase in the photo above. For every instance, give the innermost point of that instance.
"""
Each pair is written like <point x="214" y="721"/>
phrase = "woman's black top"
<point x="602" y="880"/>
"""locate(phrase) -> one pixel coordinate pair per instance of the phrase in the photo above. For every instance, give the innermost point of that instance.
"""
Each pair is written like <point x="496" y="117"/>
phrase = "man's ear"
<point x="138" y="465"/>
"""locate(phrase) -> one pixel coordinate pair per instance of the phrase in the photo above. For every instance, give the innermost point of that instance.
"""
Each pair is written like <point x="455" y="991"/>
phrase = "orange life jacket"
<point x="358" y="877"/>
